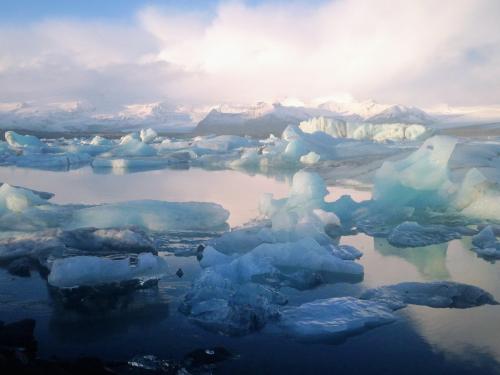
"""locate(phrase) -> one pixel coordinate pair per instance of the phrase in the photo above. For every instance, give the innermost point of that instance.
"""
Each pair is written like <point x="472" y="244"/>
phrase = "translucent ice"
<point x="334" y="318"/>
<point x="221" y="305"/>
<point x="300" y="264"/>
<point x="153" y="215"/>
<point x="90" y="271"/>
<point x="22" y="141"/>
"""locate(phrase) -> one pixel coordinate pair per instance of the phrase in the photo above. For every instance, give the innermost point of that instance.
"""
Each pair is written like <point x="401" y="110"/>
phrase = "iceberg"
<point x="57" y="243"/>
<point x="486" y="244"/>
<point x="310" y="158"/>
<point x="395" y="132"/>
<point x="218" y="304"/>
<point x="334" y="318"/>
<point x="420" y="180"/>
<point x="23" y="141"/>
<point x="148" y="135"/>
<point x="100" y="141"/>
<point x="17" y="200"/>
<point x="81" y="271"/>
<point x="23" y="210"/>
<point x="152" y="215"/>
<point x="412" y="234"/>
<point x="437" y="294"/>
<point x="301" y="265"/>
<point x="129" y="147"/>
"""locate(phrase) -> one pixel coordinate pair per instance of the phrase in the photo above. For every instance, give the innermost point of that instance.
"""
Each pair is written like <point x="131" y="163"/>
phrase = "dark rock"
<point x="204" y="357"/>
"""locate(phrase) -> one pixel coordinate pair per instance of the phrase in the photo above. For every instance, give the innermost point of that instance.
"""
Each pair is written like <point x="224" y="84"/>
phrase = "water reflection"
<point x="430" y="261"/>
<point x="457" y="332"/>
<point x="236" y="191"/>
<point x="155" y="326"/>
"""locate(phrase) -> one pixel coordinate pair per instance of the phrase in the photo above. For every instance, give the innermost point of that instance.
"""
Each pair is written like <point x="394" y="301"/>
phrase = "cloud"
<point x="416" y="52"/>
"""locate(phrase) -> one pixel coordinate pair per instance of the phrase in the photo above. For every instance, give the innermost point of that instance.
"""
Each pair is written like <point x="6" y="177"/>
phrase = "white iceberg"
<point x="153" y="215"/>
<point x="381" y="132"/>
<point x="23" y="141"/>
<point x="148" y="135"/>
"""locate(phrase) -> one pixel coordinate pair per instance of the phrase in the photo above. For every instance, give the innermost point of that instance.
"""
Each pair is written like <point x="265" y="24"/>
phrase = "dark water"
<point x="422" y="340"/>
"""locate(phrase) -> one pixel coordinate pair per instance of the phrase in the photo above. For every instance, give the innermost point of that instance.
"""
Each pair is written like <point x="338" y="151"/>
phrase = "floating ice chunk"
<point x="310" y="158"/>
<point x="223" y="143"/>
<point x="490" y="253"/>
<point x="485" y="238"/>
<point x="91" y="271"/>
<point x="131" y="137"/>
<point x="220" y="305"/>
<point x="302" y="264"/>
<point x="34" y="245"/>
<point x="242" y="240"/>
<point x="22" y="141"/>
<point x="438" y="294"/>
<point x="295" y="150"/>
<point x="308" y="191"/>
<point x="153" y="215"/>
<point x="148" y="135"/>
<point x="17" y="200"/>
<point x="346" y="252"/>
<point x="334" y="318"/>
<point x="100" y="141"/>
<point x="87" y="241"/>
<point x="419" y="180"/>
<point x="479" y="197"/>
<point x="131" y="147"/>
<point x="124" y="164"/>
<point x="212" y="257"/>
<point x="412" y="234"/>
<point x="107" y="241"/>
<point x="486" y="244"/>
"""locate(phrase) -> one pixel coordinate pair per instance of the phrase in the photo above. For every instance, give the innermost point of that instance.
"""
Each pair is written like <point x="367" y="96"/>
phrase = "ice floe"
<point x="334" y="318"/>
<point x="81" y="271"/>
<point x="486" y="244"/>
<point x="152" y="215"/>
<point x="437" y="294"/>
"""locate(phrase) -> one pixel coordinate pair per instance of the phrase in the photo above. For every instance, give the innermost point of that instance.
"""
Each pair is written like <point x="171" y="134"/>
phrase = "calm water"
<point x="422" y="340"/>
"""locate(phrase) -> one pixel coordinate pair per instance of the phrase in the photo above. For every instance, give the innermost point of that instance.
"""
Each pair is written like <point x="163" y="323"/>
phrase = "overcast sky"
<point x="112" y="53"/>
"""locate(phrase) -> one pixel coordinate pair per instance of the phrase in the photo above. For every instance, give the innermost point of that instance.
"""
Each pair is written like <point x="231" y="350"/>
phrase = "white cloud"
<point x="418" y="52"/>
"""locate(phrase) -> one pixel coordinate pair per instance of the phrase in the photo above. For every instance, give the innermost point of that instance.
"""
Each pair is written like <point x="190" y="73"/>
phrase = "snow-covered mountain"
<point x="354" y="109"/>
<point x="82" y="116"/>
<point x="264" y="119"/>
<point x="260" y="120"/>
<point x="448" y="116"/>
<point x="401" y="114"/>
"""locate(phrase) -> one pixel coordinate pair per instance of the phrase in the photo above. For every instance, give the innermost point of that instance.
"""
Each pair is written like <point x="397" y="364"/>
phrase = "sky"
<point x="118" y="52"/>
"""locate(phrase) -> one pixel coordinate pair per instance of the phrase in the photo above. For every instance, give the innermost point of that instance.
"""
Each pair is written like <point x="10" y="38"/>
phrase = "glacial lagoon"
<point x="149" y="321"/>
